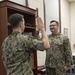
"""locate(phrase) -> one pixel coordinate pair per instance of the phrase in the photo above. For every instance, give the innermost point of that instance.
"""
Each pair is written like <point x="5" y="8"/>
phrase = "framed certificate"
<point x="65" y="31"/>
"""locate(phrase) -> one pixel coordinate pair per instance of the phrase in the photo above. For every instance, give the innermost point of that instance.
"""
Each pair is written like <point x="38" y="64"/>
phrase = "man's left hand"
<point x="66" y="68"/>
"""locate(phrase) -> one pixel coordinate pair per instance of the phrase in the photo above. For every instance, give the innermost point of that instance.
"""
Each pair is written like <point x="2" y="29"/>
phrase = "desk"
<point x="41" y="70"/>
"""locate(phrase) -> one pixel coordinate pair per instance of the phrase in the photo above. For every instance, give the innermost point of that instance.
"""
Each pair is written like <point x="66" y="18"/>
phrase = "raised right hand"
<point x="40" y="24"/>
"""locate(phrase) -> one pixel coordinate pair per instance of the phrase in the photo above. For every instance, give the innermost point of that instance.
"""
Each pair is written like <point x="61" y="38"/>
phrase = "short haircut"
<point x="54" y="21"/>
<point x="14" y="19"/>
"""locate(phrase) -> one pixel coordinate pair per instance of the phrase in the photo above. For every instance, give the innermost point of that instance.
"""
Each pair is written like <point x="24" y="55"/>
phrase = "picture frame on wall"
<point x="65" y="31"/>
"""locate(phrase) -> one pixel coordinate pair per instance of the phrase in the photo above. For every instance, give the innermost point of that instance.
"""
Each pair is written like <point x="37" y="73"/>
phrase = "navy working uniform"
<point x="17" y="49"/>
<point x="59" y="55"/>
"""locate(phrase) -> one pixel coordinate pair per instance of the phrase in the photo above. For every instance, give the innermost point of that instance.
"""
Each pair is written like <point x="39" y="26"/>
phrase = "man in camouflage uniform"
<point x="17" y="48"/>
<point x="59" y="56"/>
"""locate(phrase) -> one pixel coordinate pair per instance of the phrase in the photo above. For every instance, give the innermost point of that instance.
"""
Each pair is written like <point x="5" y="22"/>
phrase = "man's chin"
<point x="52" y="31"/>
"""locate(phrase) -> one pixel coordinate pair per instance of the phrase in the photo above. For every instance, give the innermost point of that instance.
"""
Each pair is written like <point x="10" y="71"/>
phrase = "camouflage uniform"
<point x="17" y="49"/>
<point x="59" y="55"/>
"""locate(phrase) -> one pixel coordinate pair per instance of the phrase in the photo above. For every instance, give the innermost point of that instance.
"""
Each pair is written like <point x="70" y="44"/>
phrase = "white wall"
<point x="22" y="2"/>
<point x="68" y="20"/>
<point x="52" y="12"/>
<point x="65" y="16"/>
<point x="72" y="19"/>
<point x="39" y="4"/>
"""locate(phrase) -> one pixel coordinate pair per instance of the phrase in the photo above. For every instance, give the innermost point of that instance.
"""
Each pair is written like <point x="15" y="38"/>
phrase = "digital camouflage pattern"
<point x="17" y="49"/>
<point x="59" y="54"/>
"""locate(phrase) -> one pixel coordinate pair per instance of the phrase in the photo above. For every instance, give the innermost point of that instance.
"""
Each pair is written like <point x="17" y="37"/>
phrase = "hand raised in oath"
<point x="40" y="24"/>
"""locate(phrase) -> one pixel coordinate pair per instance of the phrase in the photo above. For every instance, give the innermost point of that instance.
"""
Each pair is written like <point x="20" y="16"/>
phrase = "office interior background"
<point x="61" y="10"/>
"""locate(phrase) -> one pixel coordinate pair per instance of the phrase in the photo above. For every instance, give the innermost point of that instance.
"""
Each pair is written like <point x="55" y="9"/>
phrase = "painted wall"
<point x="65" y="16"/>
<point x="72" y="19"/>
<point x="68" y="21"/>
<point x="39" y="4"/>
<point x="22" y="2"/>
<point x="52" y="12"/>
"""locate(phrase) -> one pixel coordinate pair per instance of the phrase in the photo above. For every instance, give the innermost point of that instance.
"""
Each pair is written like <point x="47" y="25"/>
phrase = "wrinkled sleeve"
<point x="68" y="53"/>
<point x="36" y="44"/>
<point x="3" y="52"/>
<point x="36" y="35"/>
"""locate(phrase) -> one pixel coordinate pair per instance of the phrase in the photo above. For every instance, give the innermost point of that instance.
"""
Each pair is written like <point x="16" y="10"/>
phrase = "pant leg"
<point x="60" y="72"/>
<point x="55" y="71"/>
<point x="50" y="71"/>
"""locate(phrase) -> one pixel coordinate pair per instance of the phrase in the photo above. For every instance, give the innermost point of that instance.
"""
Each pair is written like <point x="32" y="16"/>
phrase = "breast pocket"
<point x="59" y="43"/>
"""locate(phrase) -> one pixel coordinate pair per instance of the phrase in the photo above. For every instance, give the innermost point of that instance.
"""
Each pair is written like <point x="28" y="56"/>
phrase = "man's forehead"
<point x="53" y="23"/>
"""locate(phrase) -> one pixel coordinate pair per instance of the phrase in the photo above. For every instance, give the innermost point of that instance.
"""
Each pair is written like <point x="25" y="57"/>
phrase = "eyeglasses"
<point x="52" y="25"/>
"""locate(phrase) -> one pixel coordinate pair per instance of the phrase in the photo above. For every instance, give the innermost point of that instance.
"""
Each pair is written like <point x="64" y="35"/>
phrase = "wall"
<point x="39" y="4"/>
<point x="22" y="2"/>
<point x="68" y="21"/>
<point x="52" y="12"/>
<point x="65" y="16"/>
<point x="72" y="19"/>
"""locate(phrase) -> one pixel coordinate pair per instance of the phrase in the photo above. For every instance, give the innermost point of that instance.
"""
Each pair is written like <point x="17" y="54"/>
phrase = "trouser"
<point x="54" y="71"/>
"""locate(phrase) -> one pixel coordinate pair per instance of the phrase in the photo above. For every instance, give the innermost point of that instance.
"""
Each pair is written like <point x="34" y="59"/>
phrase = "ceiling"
<point x="70" y="0"/>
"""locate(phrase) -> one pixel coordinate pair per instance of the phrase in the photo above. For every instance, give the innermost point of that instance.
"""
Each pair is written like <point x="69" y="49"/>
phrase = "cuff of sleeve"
<point x="68" y="65"/>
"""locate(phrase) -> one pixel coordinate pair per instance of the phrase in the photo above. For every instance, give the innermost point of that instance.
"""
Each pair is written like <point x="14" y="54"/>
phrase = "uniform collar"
<point x="58" y="35"/>
<point x="15" y="32"/>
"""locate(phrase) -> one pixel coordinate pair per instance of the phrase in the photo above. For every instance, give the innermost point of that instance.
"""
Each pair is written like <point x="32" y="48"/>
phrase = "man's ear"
<point x="20" y="24"/>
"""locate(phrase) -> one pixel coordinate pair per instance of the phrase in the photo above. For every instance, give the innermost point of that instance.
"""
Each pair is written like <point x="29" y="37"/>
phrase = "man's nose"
<point x="51" y="26"/>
